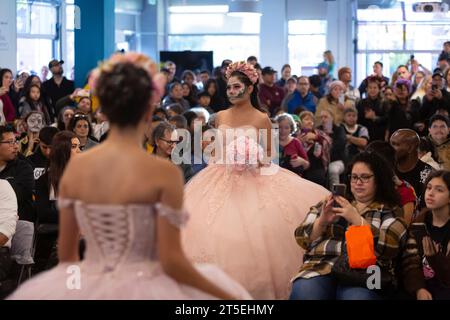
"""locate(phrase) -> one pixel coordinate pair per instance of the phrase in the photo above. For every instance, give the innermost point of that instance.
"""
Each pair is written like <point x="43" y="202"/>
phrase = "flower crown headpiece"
<point x="137" y="59"/>
<point x="244" y="68"/>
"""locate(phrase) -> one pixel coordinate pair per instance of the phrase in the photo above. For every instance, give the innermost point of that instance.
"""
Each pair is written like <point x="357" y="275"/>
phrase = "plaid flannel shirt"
<point x="388" y="228"/>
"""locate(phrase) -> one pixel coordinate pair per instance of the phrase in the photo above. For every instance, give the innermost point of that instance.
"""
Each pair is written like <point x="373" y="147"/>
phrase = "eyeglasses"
<point x="81" y="116"/>
<point x="10" y="142"/>
<point x="171" y="142"/>
<point x="364" y="178"/>
<point x="82" y="126"/>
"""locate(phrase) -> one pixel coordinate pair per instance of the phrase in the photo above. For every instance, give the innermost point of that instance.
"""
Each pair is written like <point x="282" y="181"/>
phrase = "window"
<point x="393" y="35"/>
<point x="307" y="41"/>
<point x="69" y="44"/>
<point x="209" y="28"/>
<point x="37" y="34"/>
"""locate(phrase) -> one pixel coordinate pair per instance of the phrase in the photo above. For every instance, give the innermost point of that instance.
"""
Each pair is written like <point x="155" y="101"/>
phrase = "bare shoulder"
<point x="263" y="119"/>
<point x="163" y="170"/>
<point x="221" y="115"/>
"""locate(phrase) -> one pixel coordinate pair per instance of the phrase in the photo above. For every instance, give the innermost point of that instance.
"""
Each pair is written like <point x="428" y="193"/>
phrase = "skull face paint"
<point x="35" y="122"/>
<point x="236" y="90"/>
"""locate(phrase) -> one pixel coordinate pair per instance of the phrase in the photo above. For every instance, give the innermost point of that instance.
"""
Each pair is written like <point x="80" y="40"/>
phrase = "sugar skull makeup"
<point x="235" y="89"/>
<point x="35" y="122"/>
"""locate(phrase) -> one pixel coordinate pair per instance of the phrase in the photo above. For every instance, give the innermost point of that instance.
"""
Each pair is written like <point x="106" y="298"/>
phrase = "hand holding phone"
<point x="338" y="190"/>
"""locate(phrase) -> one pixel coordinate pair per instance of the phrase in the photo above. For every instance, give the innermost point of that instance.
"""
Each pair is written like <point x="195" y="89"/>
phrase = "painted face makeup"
<point x="235" y="90"/>
<point x="35" y="122"/>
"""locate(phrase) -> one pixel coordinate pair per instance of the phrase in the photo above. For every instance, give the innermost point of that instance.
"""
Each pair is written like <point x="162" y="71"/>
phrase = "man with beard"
<point x="57" y="87"/>
<point x="408" y="166"/>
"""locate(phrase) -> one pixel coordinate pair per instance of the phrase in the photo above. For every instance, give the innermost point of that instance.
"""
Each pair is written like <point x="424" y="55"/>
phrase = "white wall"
<point x="8" y="34"/>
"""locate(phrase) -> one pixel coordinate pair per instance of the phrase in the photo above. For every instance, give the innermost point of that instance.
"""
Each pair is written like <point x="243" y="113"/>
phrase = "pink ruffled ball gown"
<point x="121" y="260"/>
<point x="244" y="222"/>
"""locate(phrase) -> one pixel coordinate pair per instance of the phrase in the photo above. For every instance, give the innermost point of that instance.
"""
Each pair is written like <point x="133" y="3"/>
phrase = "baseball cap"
<point x="54" y="63"/>
<point x="268" y="70"/>
<point x="438" y="72"/>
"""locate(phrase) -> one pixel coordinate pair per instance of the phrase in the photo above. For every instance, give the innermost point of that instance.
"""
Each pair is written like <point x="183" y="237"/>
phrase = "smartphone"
<point x="434" y="87"/>
<point x="419" y="230"/>
<point x="338" y="190"/>
<point x="342" y="99"/>
<point x="83" y="93"/>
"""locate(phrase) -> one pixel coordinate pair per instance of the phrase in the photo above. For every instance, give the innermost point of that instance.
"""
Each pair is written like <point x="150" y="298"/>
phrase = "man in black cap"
<point x="270" y="95"/>
<point x="438" y="85"/>
<point x="57" y="87"/>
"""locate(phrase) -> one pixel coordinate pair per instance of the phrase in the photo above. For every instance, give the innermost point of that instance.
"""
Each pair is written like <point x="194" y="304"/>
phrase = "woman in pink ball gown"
<point x="244" y="214"/>
<point x="129" y="213"/>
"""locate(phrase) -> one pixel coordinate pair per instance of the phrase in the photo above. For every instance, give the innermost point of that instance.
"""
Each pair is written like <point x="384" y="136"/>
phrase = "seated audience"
<point x="371" y="201"/>
<point x="292" y="155"/>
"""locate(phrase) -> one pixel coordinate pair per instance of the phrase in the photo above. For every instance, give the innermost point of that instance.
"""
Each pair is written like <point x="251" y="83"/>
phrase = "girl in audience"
<point x="418" y="78"/>
<point x="81" y="125"/>
<point x="426" y="260"/>
<point x="133" y="248"/>
<point x="176" y="96"/>
<point x="217" y="102"/>
<point x="371" y="113"/>
<point x="32" y="80"/>
<point x="65" y="145"/>
<point x="371" y="201"/>
<point x="317" y="145"/>
<point x="64" y="118"/>
<point x="388" y="95"/>
<point x="34" y="101"/>
<point x="421" y="90"/>
<point x="292" y="155"/>
<point x="337" y="148"/>
<point x="190" y="90"/>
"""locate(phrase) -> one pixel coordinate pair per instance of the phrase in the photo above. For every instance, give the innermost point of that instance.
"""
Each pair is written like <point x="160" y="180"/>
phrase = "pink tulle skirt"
<point x="143" y="281"/>
<point x="244" y="222"/>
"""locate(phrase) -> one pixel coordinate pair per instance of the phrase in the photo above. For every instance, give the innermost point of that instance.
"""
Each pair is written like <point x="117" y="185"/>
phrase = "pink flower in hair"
<point x="137" y="59"/>
<point x="244" y="68"/>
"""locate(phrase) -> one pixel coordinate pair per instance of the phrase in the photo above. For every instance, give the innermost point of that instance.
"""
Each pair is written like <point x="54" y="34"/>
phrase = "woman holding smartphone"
<point x="426" y="261"/>
<point x="372" y="201"/>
